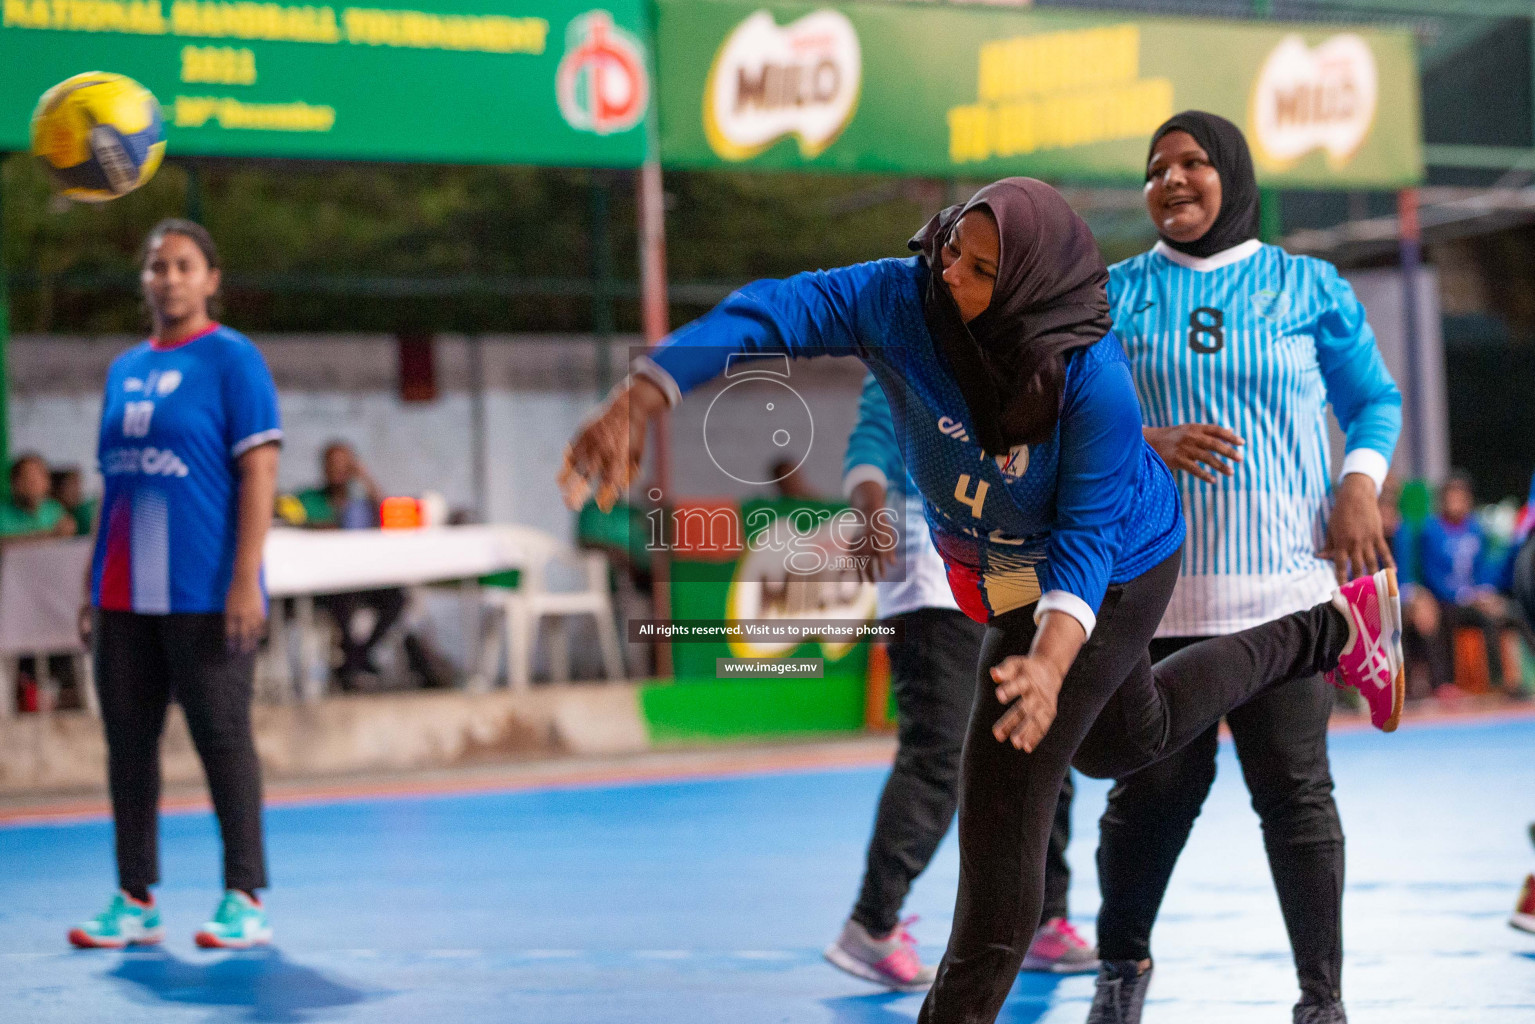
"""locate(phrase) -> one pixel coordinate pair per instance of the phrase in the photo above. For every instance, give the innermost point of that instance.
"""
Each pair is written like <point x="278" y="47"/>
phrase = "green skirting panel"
<point x="712" y="709"/>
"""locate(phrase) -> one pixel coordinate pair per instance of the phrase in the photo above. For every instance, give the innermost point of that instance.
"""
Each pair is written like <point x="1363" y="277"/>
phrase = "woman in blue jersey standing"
<point x="1058" y="525"/>
<point x="188" y="451"/>
<point x="1236" y="349"/>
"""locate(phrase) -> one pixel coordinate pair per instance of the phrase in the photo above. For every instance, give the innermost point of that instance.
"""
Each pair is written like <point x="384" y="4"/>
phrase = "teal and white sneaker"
<point x="125" y="922"/>
<point x="238" y="923"/>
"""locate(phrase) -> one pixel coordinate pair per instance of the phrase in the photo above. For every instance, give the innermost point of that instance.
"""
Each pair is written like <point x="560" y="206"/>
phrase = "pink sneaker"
<point x="1372" y="661"/>
<point x="891" y="961"/>
<point x="1058" y="949"/>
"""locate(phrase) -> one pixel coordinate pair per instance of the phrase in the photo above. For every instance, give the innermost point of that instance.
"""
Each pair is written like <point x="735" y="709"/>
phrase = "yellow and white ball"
<point x="99" y="135"/>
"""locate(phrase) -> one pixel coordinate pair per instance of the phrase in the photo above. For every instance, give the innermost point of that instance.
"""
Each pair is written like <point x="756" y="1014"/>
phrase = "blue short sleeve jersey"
<point x="1090" y="507"/>
<point x="174" y="422"/>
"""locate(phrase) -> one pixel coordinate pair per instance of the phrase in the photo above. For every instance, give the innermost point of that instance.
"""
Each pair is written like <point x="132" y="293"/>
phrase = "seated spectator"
<point x="790" y="483"/>
<point x="67" y="487"/>
<point x="1453" y="558"/>
<point x="348" y="499"/>
<point x="1521" y="562"/>
<point x="1429" y="662"/>
<point x="31" y="514"/>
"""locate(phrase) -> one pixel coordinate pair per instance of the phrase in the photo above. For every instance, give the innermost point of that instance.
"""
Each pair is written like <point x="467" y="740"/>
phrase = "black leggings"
<point x="1114" y="716"/>
<point x="931" y="673"/>
<point x="1281" y="739"/>
<point x="142" y="662"/>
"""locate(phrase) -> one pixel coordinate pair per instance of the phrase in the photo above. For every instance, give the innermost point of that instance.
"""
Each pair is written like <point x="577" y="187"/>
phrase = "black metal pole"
<point x="5" y="357"/>
<point x="477" y="447"/>
<point x="601" y="241"/>
<point x="1411" y="260"/>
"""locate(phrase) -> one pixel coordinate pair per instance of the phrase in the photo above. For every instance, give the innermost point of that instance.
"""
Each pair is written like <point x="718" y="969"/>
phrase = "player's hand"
<point x="871" y="548"/>
<point x="1032" y="685"/>
<point x="85" y="622"/>
<point x="1490" y="603"/>
<point x="1192" y="447"/>
<point x="244" y="615"/>
<point x="1356" y="540"/>
<point x="607" y="449"/>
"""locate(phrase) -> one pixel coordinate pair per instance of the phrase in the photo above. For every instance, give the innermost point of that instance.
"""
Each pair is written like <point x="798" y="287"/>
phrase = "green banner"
<point x="729" y="583"/>
<point x="962" y="91"/>
<point x="451" y="81"/>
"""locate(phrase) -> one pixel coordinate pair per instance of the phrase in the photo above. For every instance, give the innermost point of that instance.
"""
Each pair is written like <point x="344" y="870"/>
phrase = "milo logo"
<point x="768" y="82"/>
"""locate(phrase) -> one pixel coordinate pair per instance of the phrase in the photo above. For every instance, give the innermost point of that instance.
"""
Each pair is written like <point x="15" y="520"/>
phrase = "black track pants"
<point x="1281" y="740"/>
<point x="932" y="673"/>
<point x="1115" y="715"/>
<point x="142" y="663"/>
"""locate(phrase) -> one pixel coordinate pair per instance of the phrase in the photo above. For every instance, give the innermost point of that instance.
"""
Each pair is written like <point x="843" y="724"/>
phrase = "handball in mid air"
<point x="99" y="135"/>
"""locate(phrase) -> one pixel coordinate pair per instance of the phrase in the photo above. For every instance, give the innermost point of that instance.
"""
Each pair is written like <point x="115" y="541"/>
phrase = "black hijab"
<point x="1227" y="147"/>
<point x="1049" y="299"/>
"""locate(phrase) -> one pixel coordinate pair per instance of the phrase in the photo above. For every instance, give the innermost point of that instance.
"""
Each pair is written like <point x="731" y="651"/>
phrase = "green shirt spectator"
<point x="16" y="521"/>
<point x="318" y="511"/>
<point x="85" y="517"/>
<point x="67" y="488"/>
<point x="347" y="498"/>
<point x="30" y="512"/>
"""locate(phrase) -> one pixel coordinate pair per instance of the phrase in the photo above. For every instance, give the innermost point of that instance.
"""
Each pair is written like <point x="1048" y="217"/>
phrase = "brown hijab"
<point x="1050" y="298"/>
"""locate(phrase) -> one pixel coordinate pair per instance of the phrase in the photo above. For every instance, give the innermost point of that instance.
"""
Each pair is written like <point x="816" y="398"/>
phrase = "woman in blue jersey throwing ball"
<point x="188" y="451"/>
<point x="1059" y="526"/>
<point x="1236" y="349"/>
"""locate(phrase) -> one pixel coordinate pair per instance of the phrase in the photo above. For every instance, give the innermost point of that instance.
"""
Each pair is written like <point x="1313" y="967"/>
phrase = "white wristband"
<point x="863" y="474"/>
<point x="1367" y="462"/>
<point x="1071" y="604"/>
<point x="648" y="369"/>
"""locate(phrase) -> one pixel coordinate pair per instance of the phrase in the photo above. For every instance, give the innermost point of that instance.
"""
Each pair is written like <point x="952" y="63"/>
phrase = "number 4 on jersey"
<point x="964" y="497"/>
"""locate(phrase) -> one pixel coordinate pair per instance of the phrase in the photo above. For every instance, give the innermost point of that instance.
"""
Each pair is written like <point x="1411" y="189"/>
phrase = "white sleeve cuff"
<point x="1071" y="604"/>
<point x="649" y="369"/>
<point x="1369" y="462"/>
<point x="863" y="474"/>
<point x="256" y="441"/>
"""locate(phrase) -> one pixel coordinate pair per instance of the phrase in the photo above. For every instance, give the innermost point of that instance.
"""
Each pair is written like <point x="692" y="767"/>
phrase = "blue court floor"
<point x="710" y="900"/>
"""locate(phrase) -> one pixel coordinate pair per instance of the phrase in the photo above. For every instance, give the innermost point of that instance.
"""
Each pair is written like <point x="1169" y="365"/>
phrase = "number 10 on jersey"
<point x="136" y="417"/>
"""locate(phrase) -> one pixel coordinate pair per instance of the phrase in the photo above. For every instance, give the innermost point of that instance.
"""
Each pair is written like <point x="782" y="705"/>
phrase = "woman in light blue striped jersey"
<point x="1236" y="349"/>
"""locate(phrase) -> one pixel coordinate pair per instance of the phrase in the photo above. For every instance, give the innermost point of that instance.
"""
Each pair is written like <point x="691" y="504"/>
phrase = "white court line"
<point x="762" y="954"/>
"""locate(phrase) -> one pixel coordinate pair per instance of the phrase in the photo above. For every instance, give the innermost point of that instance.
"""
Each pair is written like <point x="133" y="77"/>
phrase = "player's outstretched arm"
<point x="606" y="452"/>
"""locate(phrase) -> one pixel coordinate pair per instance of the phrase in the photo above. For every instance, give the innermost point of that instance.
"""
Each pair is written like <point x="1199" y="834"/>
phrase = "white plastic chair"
<point x="516" y="615"/>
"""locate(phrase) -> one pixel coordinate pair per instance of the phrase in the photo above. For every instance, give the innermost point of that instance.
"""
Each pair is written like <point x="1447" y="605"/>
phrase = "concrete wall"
<point x="536" y="390"/>
<point x="1381" y="293"/>
<point x="65" y="752"/>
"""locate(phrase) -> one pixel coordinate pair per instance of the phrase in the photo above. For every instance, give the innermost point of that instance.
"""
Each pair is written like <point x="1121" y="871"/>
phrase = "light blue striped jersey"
<point x="874" y="454"/>
<point x="1258" y="341"/>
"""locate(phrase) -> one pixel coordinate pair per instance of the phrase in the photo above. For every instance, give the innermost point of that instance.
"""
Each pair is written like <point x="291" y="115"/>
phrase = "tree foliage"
<point x="385" y="247"/>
